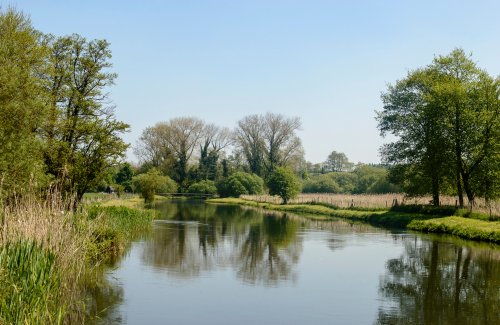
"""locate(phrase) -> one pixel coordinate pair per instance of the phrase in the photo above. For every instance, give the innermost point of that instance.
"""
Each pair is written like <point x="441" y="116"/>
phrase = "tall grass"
<point x="49" y="256"/>
<point x="29" y="284"/>
<point x="376" y="201"/>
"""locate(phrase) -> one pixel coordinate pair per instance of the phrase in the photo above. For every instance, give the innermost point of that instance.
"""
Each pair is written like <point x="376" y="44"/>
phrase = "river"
<point x="220" y="264"/>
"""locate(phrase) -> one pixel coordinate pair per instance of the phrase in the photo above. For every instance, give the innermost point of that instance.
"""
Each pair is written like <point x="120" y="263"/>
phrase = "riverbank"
<point x="424" y="219"/>
<point x="50" y="258"/>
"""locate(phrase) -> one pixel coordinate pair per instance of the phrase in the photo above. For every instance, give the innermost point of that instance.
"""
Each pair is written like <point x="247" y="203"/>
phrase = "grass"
<point x="29" y="284"/>
<point x="49" y="256"/>
<point x="442" y="219"/>
<point x="376" y="217"/>
<point x="462" y="227"/>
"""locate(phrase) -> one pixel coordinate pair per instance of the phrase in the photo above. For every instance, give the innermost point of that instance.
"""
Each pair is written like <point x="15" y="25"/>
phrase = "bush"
<point x="154" y="182"/>
<point x="284" y="183"/>
<point x="241" y="183"/>
<point x="205" y="187"/>
<point x="321" y="184"/>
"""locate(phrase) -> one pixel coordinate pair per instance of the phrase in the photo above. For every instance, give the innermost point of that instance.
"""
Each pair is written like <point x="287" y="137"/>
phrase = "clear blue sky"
<point x="325" y="61"/>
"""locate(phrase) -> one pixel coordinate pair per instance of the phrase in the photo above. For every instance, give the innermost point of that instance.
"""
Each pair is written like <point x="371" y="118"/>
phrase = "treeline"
<point x="186" y="154"/>
<point x="57" y="126"/>
<point x="189" y="155"/>
<point x="446" y="119"/>
<point x="372" y="179"/>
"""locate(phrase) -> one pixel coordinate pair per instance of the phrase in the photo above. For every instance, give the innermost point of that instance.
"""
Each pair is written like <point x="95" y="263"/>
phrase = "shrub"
<point x="241" y="183"/>
<point x="205" y="187"/>
<point x="154" y="182"/>
<point x="284" y="183"/>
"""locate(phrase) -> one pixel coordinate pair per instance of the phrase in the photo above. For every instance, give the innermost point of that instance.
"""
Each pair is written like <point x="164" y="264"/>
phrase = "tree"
<point x="337" y="162"/>
<point x="411" y="114"/>
<point x="248" y="136"/>
<point x="82" y="135"/>
<point x="446" y="117"/>
<point x="268" y="141"/>
<point x="153" y="182"/>
<point x="22" y="103"/>
<point x="284" y="183"/>
<point x="124" y="177"/>
<point x="153" y="150"/>
<point x="469" y="98"/>
<point x="214" y="140"/>
<point x="280" y="141"/>
<point x="172" y="141"/>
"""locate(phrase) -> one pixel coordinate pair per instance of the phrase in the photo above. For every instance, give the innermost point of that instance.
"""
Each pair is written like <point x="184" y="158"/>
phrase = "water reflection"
<point x="225" y="262"/>
<point x="262" y="248"/>
<point x="436" y="282"/>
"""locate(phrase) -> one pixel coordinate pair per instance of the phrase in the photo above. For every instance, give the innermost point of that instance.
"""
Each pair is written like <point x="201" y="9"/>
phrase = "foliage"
<point x="337" y="162"/>
<point x="241" y="183"/>
<point x="268" y="141"/>
<point x="284" y="183"/>
<point x="153" y="182"/>
<point x="364" y="179"/>
<point x="324" y="183"/>
<point x="82" y="134"/>
<point x="205" y="187"/>
<point x="446" y="120"/>
<point x="124" y="177"/>
<point x="29" y="285"/>
<point x="22" y="104"/>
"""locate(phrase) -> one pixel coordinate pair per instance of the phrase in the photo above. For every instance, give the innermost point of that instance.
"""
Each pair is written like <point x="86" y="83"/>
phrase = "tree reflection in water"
<point x="436" y="282"/>
<point x="262" y="248"/>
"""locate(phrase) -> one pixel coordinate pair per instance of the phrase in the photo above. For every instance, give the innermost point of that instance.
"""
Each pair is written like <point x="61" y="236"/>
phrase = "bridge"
<point x="191" y="195"/>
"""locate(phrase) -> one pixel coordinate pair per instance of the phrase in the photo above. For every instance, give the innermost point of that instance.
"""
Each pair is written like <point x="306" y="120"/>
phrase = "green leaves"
<point x="284" y="183"/>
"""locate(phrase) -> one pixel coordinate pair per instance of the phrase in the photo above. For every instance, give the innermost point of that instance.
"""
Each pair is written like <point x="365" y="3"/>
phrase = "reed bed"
<point x="376" y="201"/>
<point x="41" y="236"/>
<point x="49" y="256"/>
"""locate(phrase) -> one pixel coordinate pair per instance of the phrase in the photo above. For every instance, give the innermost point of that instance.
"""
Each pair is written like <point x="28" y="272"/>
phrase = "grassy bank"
<point x="49" y="257"/>
<point x="463" y="227"/>
<point x="448" y="220"/>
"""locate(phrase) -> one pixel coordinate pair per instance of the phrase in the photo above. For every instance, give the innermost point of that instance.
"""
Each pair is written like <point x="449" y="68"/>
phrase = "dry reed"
<point x="375" y="201"/>
<point x="48" y="223"/>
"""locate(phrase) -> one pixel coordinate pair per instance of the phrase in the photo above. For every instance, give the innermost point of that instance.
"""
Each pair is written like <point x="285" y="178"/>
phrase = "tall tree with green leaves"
<point x="268" y="141"/>
<point x="83" y="135"/>
<point x="337" y="162"/>
<point x="411" y="114"/>
<point x="446" y="117"/>
<point x="469" y="101"/>
<point x="23" y="108"/>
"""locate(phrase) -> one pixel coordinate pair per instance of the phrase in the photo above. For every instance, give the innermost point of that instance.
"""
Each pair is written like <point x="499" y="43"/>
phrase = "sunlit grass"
<point x="462" y="227"/>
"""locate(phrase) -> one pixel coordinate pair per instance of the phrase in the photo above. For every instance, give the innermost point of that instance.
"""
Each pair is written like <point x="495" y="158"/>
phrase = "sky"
<point x="324" y="61"/>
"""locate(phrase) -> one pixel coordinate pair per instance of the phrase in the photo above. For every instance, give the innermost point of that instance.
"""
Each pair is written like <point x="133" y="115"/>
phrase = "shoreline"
<point x="466" y="228"/>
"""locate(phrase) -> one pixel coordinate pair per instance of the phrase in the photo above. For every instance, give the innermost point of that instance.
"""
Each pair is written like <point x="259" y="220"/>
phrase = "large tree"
<point x="469" y="100"/>
<point x="411" y="114"/>
<point x="337" y="162"/>
<point x="214" y="140"/>
<point x="82" y="135"/>
<point x="446" y="120"/>
<point x="171" y="144"/>
<point x="268" y="141"/>
<point x="22" y="103"/>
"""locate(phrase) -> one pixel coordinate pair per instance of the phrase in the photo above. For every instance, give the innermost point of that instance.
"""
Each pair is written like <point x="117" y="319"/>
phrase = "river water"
<point x="221" y="264"/>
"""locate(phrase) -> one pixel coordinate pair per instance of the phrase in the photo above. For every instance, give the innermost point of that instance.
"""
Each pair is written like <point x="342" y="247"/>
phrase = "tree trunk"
<point x="435" y="188"/>
<point x="468" y="189"/>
